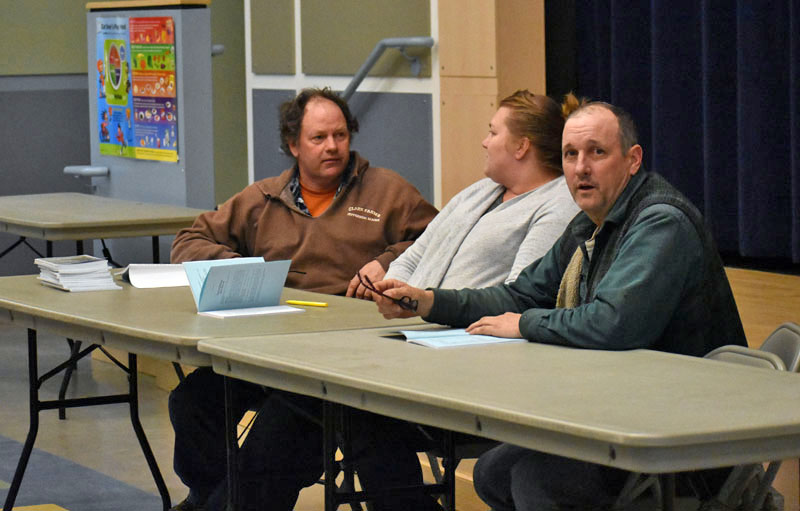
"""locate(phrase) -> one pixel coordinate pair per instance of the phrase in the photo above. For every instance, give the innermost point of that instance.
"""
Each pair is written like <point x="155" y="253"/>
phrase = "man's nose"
<point x="581" y="164"/>
<point x="330" y="144"/>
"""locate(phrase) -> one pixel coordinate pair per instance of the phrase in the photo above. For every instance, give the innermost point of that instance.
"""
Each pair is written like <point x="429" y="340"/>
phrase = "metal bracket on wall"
<point x="93" y="172"/>
<point x="401" y="43"/>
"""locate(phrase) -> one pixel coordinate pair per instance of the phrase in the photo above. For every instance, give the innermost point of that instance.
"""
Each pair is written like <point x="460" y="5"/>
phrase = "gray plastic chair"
<point x="748" y="486"/>
<point x="784" y="342"/>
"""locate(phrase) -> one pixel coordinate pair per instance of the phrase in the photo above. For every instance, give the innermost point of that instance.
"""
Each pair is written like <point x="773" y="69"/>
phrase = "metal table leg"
<point x="74" y="349"/>
<point x="667" y="482"/>
<point x="33" y="404"/>
<point x="231" y="438"/>
<point x="36" y="406"/>
<point x="133" y="393"/>
<point x="329" y="453"/>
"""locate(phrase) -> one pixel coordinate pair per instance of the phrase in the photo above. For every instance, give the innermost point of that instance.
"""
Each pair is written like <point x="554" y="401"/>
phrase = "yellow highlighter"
<point x="310" y="304"/>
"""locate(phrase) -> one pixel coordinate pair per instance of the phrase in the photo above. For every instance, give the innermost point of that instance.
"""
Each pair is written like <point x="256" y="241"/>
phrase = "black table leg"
<point x="21" y="241"/>
<point x="74" y="349"/>
<point x="133" y="392"/>
<point x="178" y="371"/>
<point x="329" y="453"/>
<point x="156" y="251"/>
<point x="33" y="428"/>
<point x="667" y="482"/>
<point x="74" y="346"/>
<point x="14" y="245"/>
<point x="36" y="405"/>
<point x="232" y="446"/>
<point x="450" y="464"/>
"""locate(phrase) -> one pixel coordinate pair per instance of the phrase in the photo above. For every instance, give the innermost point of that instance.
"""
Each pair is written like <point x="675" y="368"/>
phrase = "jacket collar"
<point x="620" y="208"/>
<point x="275" y="186"/>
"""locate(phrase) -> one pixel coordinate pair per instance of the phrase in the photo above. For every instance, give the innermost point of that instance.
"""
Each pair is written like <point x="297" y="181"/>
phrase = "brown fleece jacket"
<point x="377" y="215"/>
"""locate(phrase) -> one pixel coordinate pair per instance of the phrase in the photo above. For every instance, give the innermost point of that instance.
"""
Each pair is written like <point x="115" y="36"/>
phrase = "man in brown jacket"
<point x="333" y="215"/>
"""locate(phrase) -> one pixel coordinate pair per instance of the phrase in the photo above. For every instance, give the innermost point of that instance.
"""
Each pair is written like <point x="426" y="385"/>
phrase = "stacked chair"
<point x="748" y="487"/>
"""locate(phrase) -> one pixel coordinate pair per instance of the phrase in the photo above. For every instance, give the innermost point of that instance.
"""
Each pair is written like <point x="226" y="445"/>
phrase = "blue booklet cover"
<point x="240" y="283"/>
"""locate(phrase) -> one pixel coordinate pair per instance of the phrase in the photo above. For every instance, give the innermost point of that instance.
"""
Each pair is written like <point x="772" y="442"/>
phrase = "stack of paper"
<point x="76" y="273"/>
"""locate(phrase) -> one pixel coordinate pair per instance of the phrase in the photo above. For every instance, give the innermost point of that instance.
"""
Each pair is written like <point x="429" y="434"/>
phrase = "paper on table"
<point x="251" y="311"/>
<point x="241" y="283"/>
<point x="447" y="338"/>
<point x="156" y="275"/>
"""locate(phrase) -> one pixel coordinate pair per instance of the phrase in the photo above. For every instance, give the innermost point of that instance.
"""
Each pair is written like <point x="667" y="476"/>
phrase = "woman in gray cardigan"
<point x="484" y="236"/>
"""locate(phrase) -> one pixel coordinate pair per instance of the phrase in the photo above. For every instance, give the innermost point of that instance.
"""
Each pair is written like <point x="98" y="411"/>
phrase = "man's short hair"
<point x="628" y="135"/>
<point x="292" y="112"/>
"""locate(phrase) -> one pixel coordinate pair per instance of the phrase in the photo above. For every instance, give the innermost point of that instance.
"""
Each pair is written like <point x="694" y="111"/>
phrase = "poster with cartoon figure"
<point x="114" y="101"/>
<point x="136" y="84"/>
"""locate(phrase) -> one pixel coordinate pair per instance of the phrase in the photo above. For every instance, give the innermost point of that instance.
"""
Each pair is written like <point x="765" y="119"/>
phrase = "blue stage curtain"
<point x="714" y="86"/>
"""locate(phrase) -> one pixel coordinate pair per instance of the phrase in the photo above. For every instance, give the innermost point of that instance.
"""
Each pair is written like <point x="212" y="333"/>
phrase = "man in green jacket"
<point x="637" y="268"/>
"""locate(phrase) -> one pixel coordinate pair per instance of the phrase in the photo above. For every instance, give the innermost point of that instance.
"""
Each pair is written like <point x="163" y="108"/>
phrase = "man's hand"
<point x="396" y="289"/>
<point x="374" y="271"/>
<point x="506" y="325"/>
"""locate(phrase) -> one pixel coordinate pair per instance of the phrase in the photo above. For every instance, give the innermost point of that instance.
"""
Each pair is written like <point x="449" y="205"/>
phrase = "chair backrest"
<point x="785" y="342"/>
<point x="747" y="356"/>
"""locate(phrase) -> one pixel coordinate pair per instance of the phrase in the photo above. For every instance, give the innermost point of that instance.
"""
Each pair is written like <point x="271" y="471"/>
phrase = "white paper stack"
<point x="76" y="273"/>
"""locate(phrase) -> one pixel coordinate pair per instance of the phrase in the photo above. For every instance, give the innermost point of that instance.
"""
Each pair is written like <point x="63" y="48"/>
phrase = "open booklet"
<point x="238" y="287"/>
<point x="448" y="338"/>
<point x="155" y="275"/>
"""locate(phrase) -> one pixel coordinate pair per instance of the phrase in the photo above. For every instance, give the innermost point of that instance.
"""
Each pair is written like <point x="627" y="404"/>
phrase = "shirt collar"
<point x="294" y="184"/>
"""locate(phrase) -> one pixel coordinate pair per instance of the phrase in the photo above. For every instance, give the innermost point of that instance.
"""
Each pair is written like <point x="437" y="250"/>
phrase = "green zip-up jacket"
<point x="655" y="281"/>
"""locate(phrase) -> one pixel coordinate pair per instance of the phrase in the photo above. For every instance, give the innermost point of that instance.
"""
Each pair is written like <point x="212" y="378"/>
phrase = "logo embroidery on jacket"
<point x="364" y="214"/>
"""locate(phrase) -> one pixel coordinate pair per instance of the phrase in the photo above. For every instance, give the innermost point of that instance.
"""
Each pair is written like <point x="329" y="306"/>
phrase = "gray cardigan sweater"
<point x="463" y="247"/>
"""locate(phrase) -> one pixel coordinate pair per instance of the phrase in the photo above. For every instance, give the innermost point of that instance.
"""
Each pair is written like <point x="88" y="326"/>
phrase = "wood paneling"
<point x="467" y="106"/>
<point x="487" y="50"/>
<point x="520" y="47"/>
<point x="467" y="43"/>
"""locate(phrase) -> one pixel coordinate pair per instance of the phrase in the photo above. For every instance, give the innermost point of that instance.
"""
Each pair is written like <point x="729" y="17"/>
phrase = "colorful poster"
<point x="138" y="114"/>
<point x="114" y="101"/>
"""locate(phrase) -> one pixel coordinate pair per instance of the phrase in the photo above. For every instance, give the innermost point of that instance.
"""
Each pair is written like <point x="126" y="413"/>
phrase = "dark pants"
<point x="510" y="478"/>
<point x="281" y="454"/>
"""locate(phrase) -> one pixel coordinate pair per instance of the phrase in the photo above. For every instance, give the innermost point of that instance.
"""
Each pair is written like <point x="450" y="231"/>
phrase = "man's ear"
<point x="293" y="148"/>
<point x="523" y="146"/>
<point x="634" y="158"/>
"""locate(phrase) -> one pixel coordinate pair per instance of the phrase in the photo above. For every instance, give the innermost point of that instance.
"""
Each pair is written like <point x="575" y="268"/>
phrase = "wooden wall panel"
<point x="487" y="50"/>
<point x="467" y="106"/>
<point x="520" y="47"/>
<point x="467" y="38"/>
